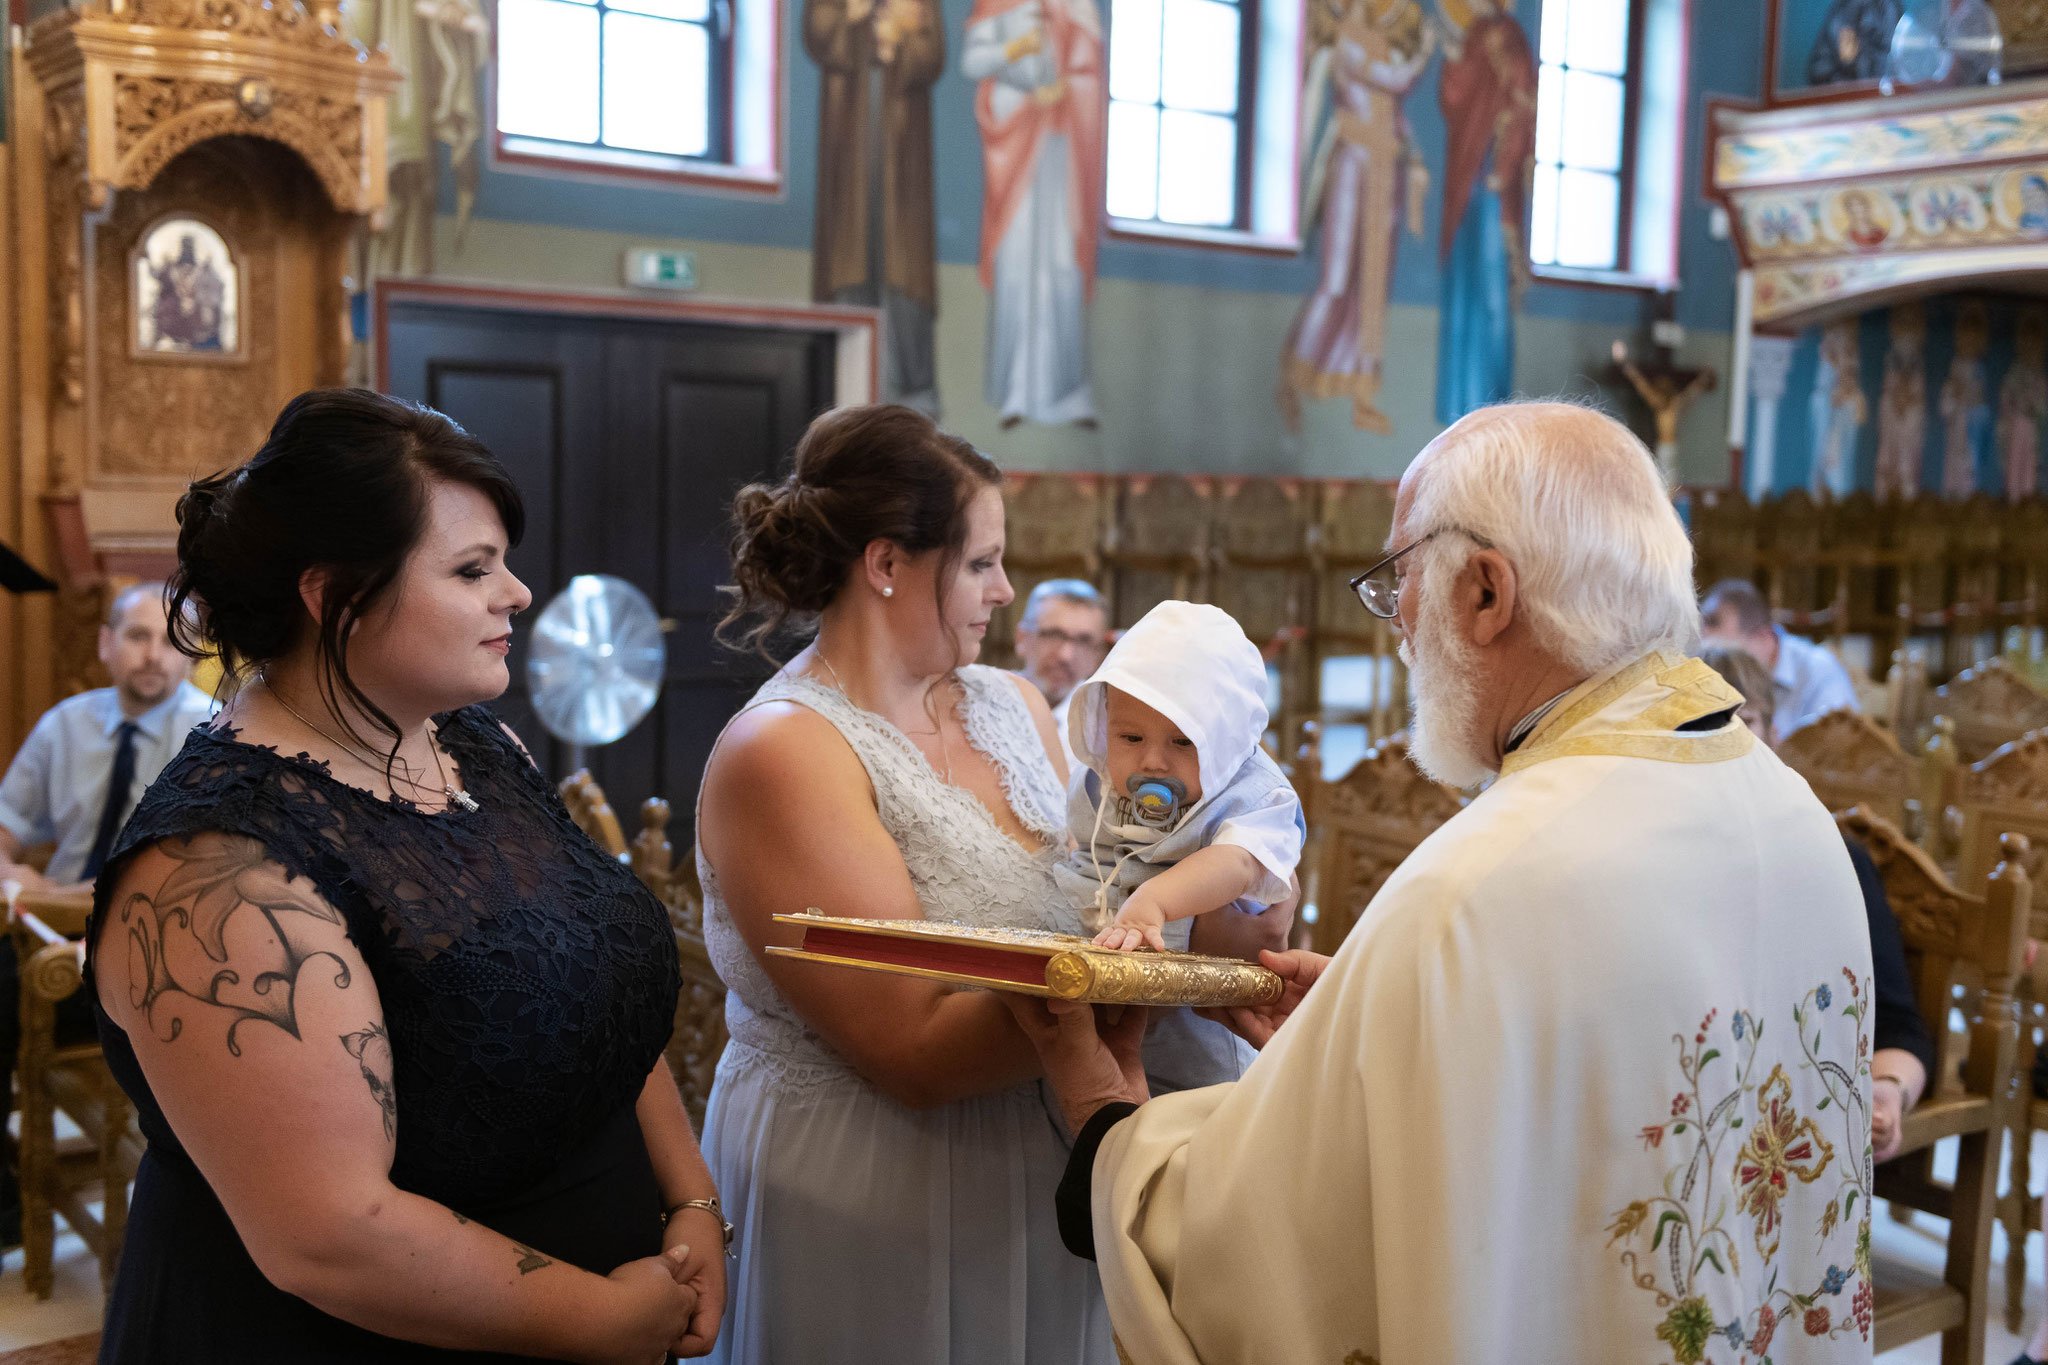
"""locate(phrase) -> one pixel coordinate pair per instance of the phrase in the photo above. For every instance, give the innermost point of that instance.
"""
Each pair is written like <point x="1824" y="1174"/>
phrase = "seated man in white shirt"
<point x="1809" y="680"/>
<point x="75" y="781"/>
<point x="1061" y="638"/>
<point x="62" y="784"/>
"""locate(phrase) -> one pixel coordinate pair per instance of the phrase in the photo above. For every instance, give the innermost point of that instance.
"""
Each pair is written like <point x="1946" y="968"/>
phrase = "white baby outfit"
<point x="1193" y="665"/>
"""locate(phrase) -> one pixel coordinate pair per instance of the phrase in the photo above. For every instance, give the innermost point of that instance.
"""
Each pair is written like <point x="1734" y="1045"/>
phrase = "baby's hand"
<point x="1137" y="925"/>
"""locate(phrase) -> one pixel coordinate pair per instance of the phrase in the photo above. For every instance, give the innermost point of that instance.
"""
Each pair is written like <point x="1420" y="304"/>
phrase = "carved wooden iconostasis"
<point x="188" y="179"/>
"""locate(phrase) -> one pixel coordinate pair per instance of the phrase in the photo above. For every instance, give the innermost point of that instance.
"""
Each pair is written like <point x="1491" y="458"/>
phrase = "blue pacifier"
<point x="1156" y="800"/>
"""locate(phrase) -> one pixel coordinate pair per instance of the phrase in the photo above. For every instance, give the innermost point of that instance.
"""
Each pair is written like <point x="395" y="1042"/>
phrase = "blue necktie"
<point x="118" y="783"/>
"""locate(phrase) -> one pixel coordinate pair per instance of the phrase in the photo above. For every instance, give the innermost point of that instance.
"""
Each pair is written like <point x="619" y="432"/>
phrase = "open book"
<point x="1029" y="962"/>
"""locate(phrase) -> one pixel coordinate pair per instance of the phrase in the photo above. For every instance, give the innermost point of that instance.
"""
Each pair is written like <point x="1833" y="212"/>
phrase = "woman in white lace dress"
<point x="881" y="1143"/>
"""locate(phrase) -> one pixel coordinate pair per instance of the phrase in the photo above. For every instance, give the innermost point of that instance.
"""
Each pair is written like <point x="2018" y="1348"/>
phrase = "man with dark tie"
<point x="74" y="782"/>
<point x="90" y="757"/>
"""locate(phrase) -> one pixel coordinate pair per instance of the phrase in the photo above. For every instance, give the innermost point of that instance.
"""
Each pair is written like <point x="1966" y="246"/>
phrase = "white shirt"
<point x="1809" y="682"/>
<point x="57" y="784"/>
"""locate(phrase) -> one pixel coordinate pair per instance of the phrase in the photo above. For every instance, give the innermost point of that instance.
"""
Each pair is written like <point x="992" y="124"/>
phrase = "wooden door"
<point x="628" y="439"/>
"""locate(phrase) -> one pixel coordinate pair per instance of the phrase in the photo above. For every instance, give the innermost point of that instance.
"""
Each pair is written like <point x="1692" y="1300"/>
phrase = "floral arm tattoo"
<point x="372" y="1050"/>
<point x="217" y="877"/>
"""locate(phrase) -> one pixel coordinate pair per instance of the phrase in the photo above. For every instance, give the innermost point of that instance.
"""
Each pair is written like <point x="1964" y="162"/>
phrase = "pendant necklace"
<point x="945" y="748"/>
<point x="456" y="795"/>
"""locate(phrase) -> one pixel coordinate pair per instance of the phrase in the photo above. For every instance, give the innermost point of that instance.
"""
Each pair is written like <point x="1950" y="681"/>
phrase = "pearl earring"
<point x="888" y="592"/>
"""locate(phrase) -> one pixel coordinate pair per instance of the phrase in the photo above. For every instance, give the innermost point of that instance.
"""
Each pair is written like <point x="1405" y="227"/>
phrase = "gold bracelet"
<point x="708" y="1205"/>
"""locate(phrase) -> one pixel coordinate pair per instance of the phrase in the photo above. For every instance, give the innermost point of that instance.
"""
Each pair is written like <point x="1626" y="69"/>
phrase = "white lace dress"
<point x="869" y="1232"/>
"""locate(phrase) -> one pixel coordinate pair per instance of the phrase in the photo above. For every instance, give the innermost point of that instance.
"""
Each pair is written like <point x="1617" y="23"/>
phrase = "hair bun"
<point x="883" y="472"/>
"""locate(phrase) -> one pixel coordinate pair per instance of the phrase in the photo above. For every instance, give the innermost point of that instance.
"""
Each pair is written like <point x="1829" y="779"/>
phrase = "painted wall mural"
<point x="1366" y="179"/>
<point x="1948" y="395"/>
<point x="1042" y="106"/>
<point x="875" y="241"/>
<point x="1487" y="91"/>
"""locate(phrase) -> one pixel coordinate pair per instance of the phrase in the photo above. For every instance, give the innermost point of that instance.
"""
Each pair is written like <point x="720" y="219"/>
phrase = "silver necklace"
<point x="945" y="748"/>
<point x="456" y="795"/>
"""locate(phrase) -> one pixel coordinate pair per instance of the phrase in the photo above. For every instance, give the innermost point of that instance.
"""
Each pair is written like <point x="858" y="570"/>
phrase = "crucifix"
<point x="1666" y="388"/>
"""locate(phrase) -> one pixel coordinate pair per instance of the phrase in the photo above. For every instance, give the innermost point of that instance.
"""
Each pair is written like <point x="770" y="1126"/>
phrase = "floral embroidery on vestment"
<point x="1738" y="1145"/>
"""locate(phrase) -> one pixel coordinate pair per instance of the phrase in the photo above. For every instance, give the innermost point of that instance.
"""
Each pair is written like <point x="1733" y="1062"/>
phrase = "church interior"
<point x="1201" y="277"/>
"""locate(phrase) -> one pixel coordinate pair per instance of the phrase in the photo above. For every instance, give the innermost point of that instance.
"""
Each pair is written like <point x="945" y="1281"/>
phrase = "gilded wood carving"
<point x="1991" y="705"/>
<point x="181" y="72"/>
<point x="1370" y="820"/>
<point x="1848" y="760"/>
<point x="1929" y="908"/>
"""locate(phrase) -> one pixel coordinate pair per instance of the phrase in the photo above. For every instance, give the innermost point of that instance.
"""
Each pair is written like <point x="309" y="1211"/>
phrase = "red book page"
<point x="963" y="959"/>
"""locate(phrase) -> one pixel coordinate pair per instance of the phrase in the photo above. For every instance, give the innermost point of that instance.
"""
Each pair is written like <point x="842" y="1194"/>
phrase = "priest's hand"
<point x="1090" y="1052"/>
<point x="1298" y="969"/>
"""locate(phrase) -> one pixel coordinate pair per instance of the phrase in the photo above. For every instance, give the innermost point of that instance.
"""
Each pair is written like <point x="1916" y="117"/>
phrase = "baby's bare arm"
<point x="1207" y="879"/>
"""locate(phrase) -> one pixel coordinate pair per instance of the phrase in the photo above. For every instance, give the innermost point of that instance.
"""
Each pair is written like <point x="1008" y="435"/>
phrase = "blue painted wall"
<point x="1726" y="53"/>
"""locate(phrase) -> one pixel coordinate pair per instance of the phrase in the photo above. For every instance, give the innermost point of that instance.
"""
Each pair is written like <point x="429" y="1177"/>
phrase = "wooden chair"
<point x="2008" y="793"/>
<point x="1991" y="705"/>
<point x="700" y="1035"/>
<point x="2019" y="1208"/>
<point x="1950" y="934"/>
<point x="592" y="812"/>
<point x="1368" y="821"/>
<point x="66" y="1177"/>
<point x="1849" y="760"/>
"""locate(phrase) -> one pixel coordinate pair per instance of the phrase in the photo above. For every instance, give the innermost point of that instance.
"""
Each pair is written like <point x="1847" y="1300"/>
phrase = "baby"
<point x="1176" y="811"/>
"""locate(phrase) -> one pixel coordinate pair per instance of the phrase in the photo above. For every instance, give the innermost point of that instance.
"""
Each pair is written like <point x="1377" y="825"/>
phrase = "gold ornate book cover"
<point x="1029" y="962"/>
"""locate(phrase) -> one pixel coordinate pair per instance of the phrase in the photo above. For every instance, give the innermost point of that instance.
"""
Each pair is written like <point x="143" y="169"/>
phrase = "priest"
<point x="1590" y="1080"/>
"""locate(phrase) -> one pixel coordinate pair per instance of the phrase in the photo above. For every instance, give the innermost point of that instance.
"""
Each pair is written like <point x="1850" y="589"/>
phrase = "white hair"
<point x="1574" y="501"/>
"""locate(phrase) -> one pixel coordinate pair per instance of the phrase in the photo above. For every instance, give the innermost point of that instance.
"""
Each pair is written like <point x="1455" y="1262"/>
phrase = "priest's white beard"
<point x="1444" y="669"/>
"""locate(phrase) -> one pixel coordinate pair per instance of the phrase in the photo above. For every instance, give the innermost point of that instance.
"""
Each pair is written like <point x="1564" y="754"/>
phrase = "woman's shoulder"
<point x="782" y="738"/>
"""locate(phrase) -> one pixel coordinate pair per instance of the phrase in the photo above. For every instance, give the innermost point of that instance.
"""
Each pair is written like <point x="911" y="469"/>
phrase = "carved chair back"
<point x="592" y="812"/>
<point x="1367" y="822"/>
<point x="1952" y="936"/>
<point x="71" y="1079"/>
<point x="700" y="1035"/>
<point x="2006" y="792"/>
<point x="1849" y="760"/>
<point x="1991" y="705"/>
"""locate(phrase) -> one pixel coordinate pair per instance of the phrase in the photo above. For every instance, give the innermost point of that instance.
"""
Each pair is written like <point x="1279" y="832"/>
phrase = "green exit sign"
<point x="658" y="268"/>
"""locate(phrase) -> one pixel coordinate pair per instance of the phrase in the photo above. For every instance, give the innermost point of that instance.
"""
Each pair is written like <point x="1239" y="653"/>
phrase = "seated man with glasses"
<point x="75" y="781"/>
<point x="1060" y="639"/>
<point x="1590" y="1080"/>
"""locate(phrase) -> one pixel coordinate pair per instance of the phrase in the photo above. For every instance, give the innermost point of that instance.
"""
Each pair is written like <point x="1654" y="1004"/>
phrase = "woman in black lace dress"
<point x="393" y="1025"/>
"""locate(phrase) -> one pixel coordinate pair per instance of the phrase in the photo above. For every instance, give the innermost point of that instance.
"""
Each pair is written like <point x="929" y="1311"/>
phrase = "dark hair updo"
<point x="341" y="485"/>
<point x="860" y="475"/>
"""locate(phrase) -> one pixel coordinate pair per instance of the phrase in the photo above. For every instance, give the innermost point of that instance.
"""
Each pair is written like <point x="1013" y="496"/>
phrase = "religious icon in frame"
<point x="185" y="293"/>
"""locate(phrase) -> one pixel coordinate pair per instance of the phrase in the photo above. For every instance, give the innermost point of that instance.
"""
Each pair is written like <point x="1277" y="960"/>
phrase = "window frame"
<point x="1242" y="235"/>
<point x="1622" y="272"/>
<point x="520" y="153"/>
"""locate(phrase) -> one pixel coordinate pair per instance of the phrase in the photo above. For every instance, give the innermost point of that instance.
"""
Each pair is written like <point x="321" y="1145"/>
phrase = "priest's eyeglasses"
<point x="1382" y="596"/>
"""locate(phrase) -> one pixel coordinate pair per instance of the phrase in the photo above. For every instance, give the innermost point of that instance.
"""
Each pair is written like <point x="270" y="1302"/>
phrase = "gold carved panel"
<point x="162" y="420"/>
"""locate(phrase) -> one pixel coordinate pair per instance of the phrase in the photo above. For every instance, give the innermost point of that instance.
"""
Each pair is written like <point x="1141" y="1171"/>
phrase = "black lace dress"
<point x="529" y="985"/>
